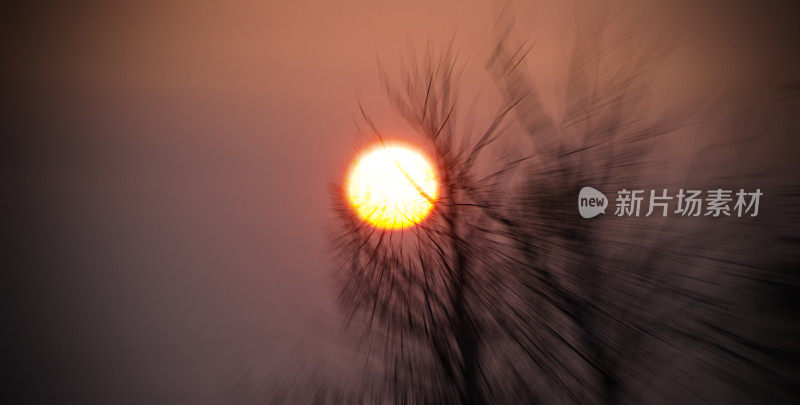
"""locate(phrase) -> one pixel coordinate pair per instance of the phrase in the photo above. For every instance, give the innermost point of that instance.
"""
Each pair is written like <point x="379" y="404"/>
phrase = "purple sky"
<point x="190" y="149"/>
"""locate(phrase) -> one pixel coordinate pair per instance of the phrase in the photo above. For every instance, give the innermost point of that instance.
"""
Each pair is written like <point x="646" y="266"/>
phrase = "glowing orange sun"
<point x="392" y="186"/>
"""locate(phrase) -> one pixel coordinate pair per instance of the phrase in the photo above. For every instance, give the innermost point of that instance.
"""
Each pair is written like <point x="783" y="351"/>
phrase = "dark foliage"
<point x="506" y="295"/>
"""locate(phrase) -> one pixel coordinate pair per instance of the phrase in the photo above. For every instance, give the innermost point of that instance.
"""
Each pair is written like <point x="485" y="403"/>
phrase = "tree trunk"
<point x="466" y="333"/>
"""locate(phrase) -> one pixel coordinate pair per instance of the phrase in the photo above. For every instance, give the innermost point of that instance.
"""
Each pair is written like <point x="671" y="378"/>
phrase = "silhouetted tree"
<point x="421" y="292"/>
<point x="506" y="295"/>
<point x="474" y="287"/>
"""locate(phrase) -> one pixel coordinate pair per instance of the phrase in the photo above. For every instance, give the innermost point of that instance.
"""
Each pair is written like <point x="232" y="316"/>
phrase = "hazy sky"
<point x="185" y="152"/>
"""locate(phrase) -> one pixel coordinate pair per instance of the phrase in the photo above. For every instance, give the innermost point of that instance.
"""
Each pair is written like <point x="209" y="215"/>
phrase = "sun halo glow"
<point x="392" y="186"/>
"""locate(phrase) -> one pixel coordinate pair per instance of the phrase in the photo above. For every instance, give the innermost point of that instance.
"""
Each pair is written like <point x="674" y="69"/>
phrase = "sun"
<point x="392" y="186"/>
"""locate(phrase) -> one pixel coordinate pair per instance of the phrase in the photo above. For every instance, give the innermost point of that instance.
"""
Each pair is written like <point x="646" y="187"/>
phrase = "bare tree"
<point x="621" y="302"/>
<point x="417" y="291"/>
<point x="582" y="311"/>
<point x="473" y="288"/>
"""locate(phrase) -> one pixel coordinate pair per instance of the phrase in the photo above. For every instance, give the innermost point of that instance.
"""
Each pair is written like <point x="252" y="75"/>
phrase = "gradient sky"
<point x="184" y="154"/>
